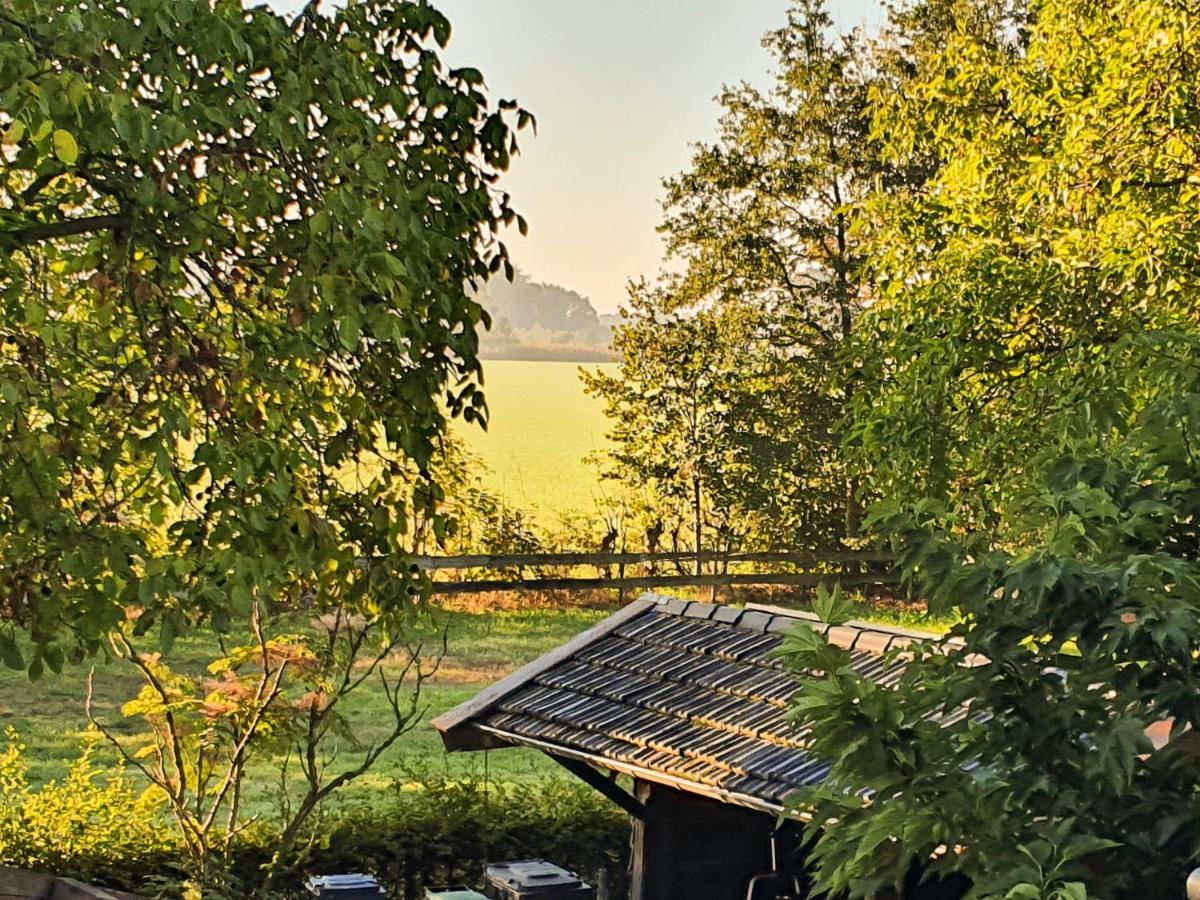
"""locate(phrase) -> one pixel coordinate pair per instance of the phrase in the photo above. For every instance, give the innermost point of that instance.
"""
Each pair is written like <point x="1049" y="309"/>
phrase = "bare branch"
<point x="32" y="234"/>
<point x="168" y="715"/>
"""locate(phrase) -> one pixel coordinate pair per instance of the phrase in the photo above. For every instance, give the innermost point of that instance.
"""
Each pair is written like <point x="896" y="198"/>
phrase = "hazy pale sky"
<point x="620" y="89"/>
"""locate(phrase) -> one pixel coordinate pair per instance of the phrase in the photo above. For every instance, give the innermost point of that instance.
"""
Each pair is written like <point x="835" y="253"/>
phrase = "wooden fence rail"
<point x="851" y="567"/>
<point x="656" y="581"/>
<point x="536" y="560"/>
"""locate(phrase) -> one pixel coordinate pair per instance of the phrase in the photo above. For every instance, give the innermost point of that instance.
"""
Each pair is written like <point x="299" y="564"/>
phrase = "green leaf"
<point x="318" y="225"/>
<point x="167" y="634"/>
<point x="441" y="29"/>
<point x="832" y="606"/>
<point x="54" y="658"/>
<point x="803" y="639"/>
<point x="350" y="331"/>
<point x="10" y="653"/>
<point x="15" y="132"/>
<point x="1082" y="846"/>
<point x="65" y="147"/>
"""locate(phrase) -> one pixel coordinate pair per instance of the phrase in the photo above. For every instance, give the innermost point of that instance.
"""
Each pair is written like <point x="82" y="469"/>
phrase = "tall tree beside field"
<point x="236" y="273"/>
<point x="1034" y="424"/>
<point x="762" y="222"/>
<point x="700" y="424"/>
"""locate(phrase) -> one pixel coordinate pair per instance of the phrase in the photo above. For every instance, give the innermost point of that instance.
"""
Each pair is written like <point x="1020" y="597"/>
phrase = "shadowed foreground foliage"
<point x="412" y="834"/>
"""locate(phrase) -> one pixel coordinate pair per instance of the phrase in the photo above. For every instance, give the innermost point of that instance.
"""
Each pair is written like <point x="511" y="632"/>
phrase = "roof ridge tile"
<point x="754" y="620"/>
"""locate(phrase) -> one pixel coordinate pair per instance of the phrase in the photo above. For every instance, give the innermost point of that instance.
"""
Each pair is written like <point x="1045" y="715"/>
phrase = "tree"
<point x="1033" y="424"/>
<point x="534" y="311"/>
<point x="1056" y="224"/>
<point x="765" y="214"/>
<point x="1020" y="756"/>
<point x="282" y="696"/>
<point x="704" y="410"/>
<point x="765" y="224"/>
<point x="238" y="261"/>
<point x="667" y="413"/>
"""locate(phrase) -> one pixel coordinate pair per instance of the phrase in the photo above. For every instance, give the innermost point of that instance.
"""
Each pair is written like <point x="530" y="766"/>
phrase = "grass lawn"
<point x="483" y="647"/>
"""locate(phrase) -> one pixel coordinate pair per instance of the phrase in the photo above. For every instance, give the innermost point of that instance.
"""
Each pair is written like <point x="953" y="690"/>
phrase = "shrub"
<point x="442" y="832"/>
<point x="105" y="829"/>
<point x="93" y="825"/>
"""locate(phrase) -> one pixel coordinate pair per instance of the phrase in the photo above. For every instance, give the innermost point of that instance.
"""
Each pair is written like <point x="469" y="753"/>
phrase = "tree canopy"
<point x="1030" y="418"/>
<point x="239" y="256"/>
<point x="1055" y="230"/>
<point x="1018" y="753"/>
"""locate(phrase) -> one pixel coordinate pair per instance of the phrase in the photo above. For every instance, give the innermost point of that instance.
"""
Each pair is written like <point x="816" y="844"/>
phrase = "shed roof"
<point x="672" y="691"/>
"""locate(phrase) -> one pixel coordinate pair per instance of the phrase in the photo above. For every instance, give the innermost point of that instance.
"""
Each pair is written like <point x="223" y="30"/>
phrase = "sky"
<point x="621" y="90"/>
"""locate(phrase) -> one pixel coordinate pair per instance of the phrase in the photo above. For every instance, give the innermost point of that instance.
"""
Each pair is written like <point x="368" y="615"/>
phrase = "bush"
<point x="103" y="828"/>
<point x="92" y="825"/>
<point x="439" y="833"/>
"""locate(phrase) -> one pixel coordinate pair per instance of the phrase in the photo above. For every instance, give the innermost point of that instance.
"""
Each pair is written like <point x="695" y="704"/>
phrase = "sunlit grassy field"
<point x="542" y="427"/>
<point x="483" y="647"/>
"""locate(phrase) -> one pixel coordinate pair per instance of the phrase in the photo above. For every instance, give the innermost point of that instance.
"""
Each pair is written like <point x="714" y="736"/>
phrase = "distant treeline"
<point x="563" y="353"/>
<point x="532" y="320"/>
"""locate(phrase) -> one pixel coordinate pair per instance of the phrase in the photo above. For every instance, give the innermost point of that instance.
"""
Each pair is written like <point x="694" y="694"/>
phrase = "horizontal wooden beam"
<point x="534" y="560"/>
<point x="805" y="579"/>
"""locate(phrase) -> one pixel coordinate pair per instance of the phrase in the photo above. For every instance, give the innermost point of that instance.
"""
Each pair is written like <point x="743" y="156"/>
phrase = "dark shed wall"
<point x="692" y="848"/>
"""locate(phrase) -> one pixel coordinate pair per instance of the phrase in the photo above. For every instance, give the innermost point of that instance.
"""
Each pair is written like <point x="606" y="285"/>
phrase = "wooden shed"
<point x="687" y="700"/>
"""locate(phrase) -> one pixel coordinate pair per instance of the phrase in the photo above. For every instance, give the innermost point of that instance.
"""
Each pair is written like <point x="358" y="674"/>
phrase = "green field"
<point x="542" y="427"/>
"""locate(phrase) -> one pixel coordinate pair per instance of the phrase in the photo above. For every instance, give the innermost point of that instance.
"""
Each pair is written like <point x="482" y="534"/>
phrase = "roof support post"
<point x="606" y="785"/>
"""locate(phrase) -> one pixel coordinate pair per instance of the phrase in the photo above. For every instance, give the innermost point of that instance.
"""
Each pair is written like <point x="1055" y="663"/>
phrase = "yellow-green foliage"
<point x="89" y="815"/>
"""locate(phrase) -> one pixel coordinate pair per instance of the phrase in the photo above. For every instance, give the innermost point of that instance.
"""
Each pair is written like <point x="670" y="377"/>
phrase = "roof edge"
<point x="646" y="774"/>
<point x="862" y="624"/>
<point x="468" y="739"/>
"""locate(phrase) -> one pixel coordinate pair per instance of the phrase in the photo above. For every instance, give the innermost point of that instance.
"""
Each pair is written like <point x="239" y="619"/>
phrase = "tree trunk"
<point x="846" y="310"/>
<point x="852" y="523"/>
